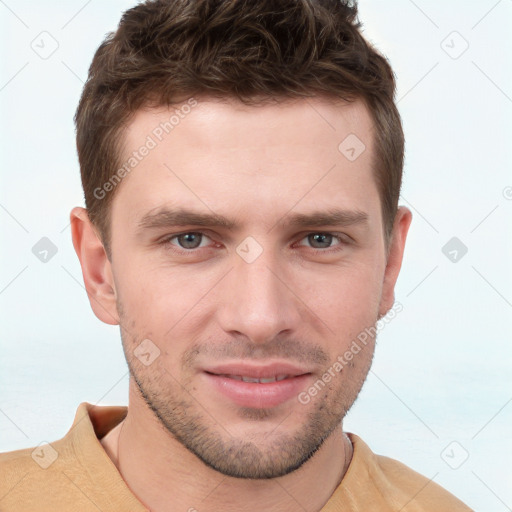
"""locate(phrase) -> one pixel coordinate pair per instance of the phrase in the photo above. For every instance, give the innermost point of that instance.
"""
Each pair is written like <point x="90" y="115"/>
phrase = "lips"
<point x="257" y="386"/>
<point x="261" y="371"/>
<point x="262" y="380"/>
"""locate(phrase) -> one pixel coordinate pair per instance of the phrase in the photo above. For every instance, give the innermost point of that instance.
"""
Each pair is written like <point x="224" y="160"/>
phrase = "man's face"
<point x="276" y="291"/>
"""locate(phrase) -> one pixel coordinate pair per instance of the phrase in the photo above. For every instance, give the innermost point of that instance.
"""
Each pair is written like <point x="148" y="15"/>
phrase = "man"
<point x="241" y="163"/>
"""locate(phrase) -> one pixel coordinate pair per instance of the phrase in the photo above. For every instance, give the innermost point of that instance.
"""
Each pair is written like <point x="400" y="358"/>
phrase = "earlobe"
<point x="96" y="267"/>
<point x="401" y="225"/>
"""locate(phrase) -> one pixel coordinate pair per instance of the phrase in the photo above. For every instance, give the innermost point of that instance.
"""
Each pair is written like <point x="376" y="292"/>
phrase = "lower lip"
<point x="258" y="395"/>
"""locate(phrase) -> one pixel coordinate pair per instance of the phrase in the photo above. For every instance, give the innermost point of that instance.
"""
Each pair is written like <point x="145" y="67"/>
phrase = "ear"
<point x="396" y="248"/>
<point x="96" y="267"/>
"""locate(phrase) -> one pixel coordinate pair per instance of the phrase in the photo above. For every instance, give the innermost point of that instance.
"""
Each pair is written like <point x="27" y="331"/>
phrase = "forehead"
<point x="222" y="155"/>
<point x="214" y="124"/>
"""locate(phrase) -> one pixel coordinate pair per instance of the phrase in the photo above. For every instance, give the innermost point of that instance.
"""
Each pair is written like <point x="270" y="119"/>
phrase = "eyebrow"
<point x="332" y="217"/>
<point x="183" y="217"/>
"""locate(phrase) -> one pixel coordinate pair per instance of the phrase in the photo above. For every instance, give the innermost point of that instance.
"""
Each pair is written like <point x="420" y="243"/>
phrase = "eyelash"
<point x="340" y="237"/>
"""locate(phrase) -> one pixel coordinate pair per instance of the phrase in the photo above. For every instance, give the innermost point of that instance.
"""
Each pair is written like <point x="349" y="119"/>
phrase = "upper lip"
<point x="259" y="371"/>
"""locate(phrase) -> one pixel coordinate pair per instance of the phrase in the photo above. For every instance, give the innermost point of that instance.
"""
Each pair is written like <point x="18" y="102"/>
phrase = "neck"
<point x="166" y="477"/>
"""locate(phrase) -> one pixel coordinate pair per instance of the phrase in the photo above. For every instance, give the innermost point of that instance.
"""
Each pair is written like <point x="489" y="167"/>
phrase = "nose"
<point x="257" y="300"/>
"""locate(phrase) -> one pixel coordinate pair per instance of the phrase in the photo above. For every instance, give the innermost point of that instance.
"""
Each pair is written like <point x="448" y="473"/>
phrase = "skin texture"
<point x="303" y="300"/>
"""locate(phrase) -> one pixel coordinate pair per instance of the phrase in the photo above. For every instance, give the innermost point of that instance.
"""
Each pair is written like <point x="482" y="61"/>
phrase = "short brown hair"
<point x="163" y="50"/>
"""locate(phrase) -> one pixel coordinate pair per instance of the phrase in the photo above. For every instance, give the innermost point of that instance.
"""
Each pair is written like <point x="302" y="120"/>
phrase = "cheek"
<point x="156" y="298"/>
<point x="348" y="296"/>
<point x="164" y="301"/>
<point x="349" y="305"/>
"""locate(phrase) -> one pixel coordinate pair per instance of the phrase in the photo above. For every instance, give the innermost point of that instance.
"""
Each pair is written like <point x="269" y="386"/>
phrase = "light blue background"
<point x="442" y="370"/>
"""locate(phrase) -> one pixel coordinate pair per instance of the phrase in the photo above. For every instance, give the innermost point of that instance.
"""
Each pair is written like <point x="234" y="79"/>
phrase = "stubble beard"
<point x="278" y="451"/>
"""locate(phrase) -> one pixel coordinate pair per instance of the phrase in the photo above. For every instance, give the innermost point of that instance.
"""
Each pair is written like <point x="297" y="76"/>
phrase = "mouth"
<point x="260" y="387"/>
<point x="262" y="380"/>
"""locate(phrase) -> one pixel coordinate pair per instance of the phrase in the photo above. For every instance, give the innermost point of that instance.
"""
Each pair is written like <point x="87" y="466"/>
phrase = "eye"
<point x="323" y="240"/>
<point x="191" y="240"/>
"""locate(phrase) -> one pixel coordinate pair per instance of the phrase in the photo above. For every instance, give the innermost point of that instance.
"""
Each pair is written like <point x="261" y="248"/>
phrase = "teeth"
<point x="249" y="379"/>
<point x="264" y="380"/>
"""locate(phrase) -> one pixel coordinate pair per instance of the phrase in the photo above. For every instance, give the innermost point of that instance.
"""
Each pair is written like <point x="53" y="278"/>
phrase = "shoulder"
<point x="29" y="474"/>
<point x="72" y="473"/>
<point x="398" y="485"/>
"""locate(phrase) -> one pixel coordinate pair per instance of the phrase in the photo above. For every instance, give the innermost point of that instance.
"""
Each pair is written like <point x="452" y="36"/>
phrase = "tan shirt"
<point x="75" y="473"/>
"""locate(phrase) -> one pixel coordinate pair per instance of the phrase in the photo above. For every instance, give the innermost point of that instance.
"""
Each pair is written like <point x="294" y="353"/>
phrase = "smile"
<point x="262" y="380"/>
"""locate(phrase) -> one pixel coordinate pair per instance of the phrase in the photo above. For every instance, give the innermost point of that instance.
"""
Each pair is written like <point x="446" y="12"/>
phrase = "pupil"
<point x="190" y="240"/>
<point x="321" y="238"/>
